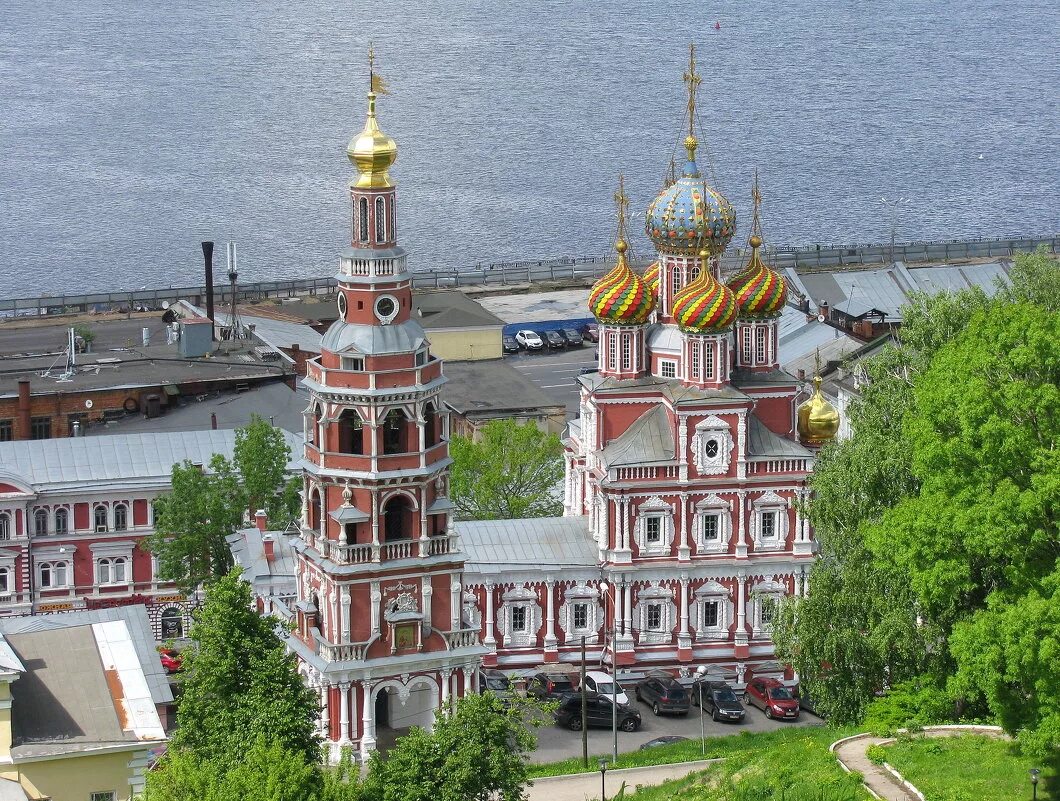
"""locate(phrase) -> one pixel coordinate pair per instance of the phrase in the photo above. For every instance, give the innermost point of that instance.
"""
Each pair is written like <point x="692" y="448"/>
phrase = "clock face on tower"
<point x="386" y="309"/>
<point x="342" y="305"/>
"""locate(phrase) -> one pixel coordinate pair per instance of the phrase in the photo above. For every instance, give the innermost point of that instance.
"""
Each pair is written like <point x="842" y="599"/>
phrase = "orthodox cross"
<point x="693" y="80"/>
<point x="756" y="200"/>
<point x="622" y="203"/>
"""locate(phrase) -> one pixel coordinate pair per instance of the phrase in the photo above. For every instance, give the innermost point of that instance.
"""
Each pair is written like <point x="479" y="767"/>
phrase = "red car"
<point x="591" y="332"/>
<point x="773" y="698"/>
<point x="171" y="660"/>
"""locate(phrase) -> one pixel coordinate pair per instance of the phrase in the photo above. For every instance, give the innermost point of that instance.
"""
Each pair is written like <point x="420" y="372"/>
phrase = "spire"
<point x="755" y="239"/>
<point x="692" y="80"/>
<point x="372" y="151"/>
<point x="621" y="297"/>
<point x="622" y="207"/>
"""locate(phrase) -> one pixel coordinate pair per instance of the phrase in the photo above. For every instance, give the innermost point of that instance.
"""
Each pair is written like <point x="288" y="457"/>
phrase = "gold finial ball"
<point x="704" y="254"/>
<point x="691" y="142"/>
<point x="755" y="241"/>
<point x="620" y="246"/>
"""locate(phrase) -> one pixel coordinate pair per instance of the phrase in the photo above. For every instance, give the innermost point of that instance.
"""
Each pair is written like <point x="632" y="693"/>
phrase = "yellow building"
<point x="79" y="696"/>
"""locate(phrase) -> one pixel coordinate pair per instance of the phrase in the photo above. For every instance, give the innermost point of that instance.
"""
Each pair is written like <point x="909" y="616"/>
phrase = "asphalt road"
<point x="555" y="743"/>
<point x="555" y="372"/>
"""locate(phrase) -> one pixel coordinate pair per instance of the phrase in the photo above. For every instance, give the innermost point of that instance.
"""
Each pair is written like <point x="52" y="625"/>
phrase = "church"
<point x="686" y="474"/>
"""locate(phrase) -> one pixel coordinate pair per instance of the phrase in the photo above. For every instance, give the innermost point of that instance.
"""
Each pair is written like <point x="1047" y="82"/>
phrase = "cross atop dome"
<point x="622" y="206"/>
<point x="692" y="80"/>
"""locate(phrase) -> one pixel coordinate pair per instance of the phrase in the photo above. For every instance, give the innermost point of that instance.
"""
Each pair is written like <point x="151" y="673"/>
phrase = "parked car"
<point x="806" y="702"/>
<point x="599" y="713"/>
<point x="666" y="739"/>
<point x="573" y="337"/>
<point x="529" y="340"/>
<point x="719" y="700"/>
<point x="495" y="683"/>
<point x="555" y="340"/>
<point x="171" y="660"/>
<point x="663" y="695"/>
<point x="588" y="370"/>
<point x="591" y="332"/>
<point x="549" y="686"/>
<point x="773" y="698"/>
<point x="509" y="345"/>
<point x="600" y="683"/>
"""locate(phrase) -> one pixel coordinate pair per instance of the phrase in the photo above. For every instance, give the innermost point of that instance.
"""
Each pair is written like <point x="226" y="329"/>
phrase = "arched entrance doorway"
<point x="399" y="707"/>
<point x="172" y="623"/>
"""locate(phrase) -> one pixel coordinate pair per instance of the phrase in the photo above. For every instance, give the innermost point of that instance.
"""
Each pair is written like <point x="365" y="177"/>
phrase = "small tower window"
<point x="395" y="432"/>
<point x="675" y="281"/>
<point x="363" y="219"/>
<point x="351" y="436"/>
<point x="695" y="360"/>
<point x="760" y="345"/>
<point x="612" y="351"/>
<point x="380" y="220"/>
<point x="627" y="352"/>
<point x="745" y="342"/>
<point x="393" y="221"/>
<point x="708" y="361"/>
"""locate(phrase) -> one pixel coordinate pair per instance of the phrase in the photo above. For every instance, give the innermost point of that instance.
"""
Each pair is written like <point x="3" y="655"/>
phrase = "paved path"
<point x="851" y="753"/>
<point x="586" y="786"/>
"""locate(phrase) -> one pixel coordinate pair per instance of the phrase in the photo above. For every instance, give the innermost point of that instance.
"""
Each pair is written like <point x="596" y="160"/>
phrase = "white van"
<point x="599" y="682"/>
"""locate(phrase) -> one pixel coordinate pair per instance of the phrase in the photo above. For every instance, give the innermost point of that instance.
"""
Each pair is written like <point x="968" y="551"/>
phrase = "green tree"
<point x="477" y="751"/>
<point x="191" y="523"/>
<point x="241" y="683"/>
<point x="512" y="471"/>
<point x="261" y="456"/>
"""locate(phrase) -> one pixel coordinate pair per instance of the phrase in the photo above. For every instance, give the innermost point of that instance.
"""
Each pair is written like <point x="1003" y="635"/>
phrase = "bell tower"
<point x="379" y="613"/>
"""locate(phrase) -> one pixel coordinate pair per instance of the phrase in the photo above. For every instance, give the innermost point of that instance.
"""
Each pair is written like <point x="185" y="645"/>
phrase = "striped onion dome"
<point x="705" y="306"/>
<point x="760" y="291"/>
<point x="621" y="297"/>
<point x="651" y="278"/>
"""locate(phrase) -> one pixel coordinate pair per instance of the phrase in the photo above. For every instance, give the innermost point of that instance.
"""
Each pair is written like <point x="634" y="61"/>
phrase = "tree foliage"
<point x="477" y="751"/>
<point x="241" y="683"/>
<point x="512" y="471"/>
<point x="207" y="505"/>
<point x="938" y="518"/>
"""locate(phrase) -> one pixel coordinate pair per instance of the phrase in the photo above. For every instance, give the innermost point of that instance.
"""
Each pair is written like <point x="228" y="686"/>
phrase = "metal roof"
<point x="500" y="546"/>
<point x="490" y="385"/>
<point x="78" y="461"/>
<point x="374" y="340"/>
<point x="650" y="439"/>
<point x="763" y="442"/>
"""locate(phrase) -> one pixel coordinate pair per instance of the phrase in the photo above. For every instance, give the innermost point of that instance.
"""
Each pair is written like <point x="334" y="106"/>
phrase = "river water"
<point x="130" y="131"/>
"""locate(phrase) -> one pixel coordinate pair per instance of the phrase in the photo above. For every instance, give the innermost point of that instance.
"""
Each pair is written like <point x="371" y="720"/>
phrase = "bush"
<point x="876" y="754"/>
<point x="910" y="705"/>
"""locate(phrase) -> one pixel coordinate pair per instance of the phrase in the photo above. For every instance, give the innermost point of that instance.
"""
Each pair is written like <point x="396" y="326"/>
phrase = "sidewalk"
<point x="586" y="786"/>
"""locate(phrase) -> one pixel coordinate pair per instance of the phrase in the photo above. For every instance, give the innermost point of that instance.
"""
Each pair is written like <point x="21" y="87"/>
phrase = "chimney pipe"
<point x="261" y="520"/>
<point x="207" y="254"/>
<point x="24" y="407"/>
<point x="269" y="547"/>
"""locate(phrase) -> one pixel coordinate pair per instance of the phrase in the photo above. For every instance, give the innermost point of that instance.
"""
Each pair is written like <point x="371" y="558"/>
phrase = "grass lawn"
<point x="967" y="768"/>
<point x="758" y="766"/>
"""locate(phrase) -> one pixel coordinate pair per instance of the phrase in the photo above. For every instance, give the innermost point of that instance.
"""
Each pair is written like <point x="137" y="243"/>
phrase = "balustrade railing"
<point x="461" y="638"/>
<point x="366" y="553"/>
<point x="641" y="473"/>
<point x="402" y="549"/>
<point x="779" y="466"/>
<point x="330" y="652"/>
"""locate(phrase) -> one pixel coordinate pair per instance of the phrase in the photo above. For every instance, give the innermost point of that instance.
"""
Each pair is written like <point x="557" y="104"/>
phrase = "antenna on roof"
<point x="235" y="326"/>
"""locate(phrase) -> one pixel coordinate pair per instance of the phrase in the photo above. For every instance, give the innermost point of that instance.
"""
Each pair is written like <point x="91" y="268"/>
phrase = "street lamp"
<point x="893" y="206"/>
<point x="701" y="673"/>
<point x="603" y="773"/>
<point x="1034" y="783"/>
<point x="614" y="675"/>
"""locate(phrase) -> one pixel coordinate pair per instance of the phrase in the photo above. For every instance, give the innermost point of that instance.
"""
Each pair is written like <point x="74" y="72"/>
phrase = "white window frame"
<point x="707" y="429"/>
<point x="612" y="350"/>
<point x="6" y="574"/>
<point x="649" y="509"/>
<point x="708" y="361"/>
<point x="127" y="508"/>
<point x="770" y="503"/>
<point x="7" y="526"/>
<point x="712" y="592"/>
<point x="352" y="364"/>
<point x="40" y="514"/>
<point x="579" y="595"/>
<point x="96" y="526"/>
<point x="107" y="571"/>
<point x="649" y="597"/>
<point x="627" y="351"/>
<point x="580" y="609"/>
<point x="761" y="349"/>
<point x="712" y="506"/>
<point x="54" y="566"/>
<point x="525" y="598"/>
<point x="745" y="345"/>
<point x="668" y="368"/>
<point x="66" y="517"/>
<point x="770" y="591"/>
<point x="380" y="219"/>
<point x="694" y="359"/>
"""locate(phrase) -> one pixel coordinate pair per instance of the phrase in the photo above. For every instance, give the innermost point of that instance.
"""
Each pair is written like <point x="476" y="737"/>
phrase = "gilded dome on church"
<point x="372" y="152"/>
<point x="760" y="291"/>
<point x="705" y="306"/>
<point x="651" y="278"/>
<point x="818" y="421"/>
<point x="621" y="297"/>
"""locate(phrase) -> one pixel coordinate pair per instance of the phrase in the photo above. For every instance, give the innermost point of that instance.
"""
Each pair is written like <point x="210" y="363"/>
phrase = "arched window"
<point x="397" y="519"/>
<point x="62" y="521"/>
<point x="675" y="282"/>
<point x="364" y="219"/>
<point x="5" y="526"/>
<point x="393" y="220"/>
<point x="5" y="579"/>
<point x="172" y="623"/>
<point x="112" y="570"/>
<point x="430" y="424"/>
<point x="121" y="517"/>
<point x="380" y="220"/>
<point x="99" y="515"/>
<point x="315" y="522"/>
<point x="40" y="522"/>
<point x="52" y="575"/>
<point x="395" y="432"/>
<point x="319" y="619"/>
<point x="351" y="432"/>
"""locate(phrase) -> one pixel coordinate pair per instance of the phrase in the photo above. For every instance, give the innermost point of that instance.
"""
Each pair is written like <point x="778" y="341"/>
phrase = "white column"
<point x="805" y="584"/>
<point x="375" y="527"/>
<point x="550" y="614"/>
<point x="445" y="677"/>
<point x="490" y="641"/>
<point x="344" y="594"/>
<point x="798" y="584"/>
<point x="428" y="595"/>
<point x="377" y="598"/>
<point x="468" y="681"/>
<point x="683" y="550"/>
<point x="367" y="719"/>
<point x="684" y="609"/>
<point x="456" y="602"/>
<point x="741" y="540"/>
<point x="325" y="712"/>
<point x="344" y="712"/>
<point x="741" y="608"/>
<point x="627" y="607"/>
<point x="616" y="607"/>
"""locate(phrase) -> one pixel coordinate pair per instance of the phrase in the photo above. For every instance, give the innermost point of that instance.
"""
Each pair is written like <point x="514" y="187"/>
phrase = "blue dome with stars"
<point x="689" y="216"/>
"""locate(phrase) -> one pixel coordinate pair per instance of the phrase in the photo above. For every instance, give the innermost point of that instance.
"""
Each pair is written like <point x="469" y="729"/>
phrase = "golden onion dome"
<point x="372" y="152"/>
<point x="705" y="306"/>
<point x="651" y="278"/>
<point x="818" y="419"/>
<point x="621" y="297"/>
<point x="760" y="291"/>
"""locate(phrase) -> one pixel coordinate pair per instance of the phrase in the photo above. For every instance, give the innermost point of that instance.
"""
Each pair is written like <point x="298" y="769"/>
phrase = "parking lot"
<point x="555" y="743"/>
<point x="555" y="371"/>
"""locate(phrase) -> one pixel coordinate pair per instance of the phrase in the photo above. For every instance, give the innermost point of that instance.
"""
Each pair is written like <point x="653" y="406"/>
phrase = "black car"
<point x="664" y="695"/>
<point x="666" y="739"/>
<point x="573" y="337"/>
<point x="599" y="713"/>
<point x="718" y="699"/>
<point x="554" y="339"/>
<point x="549" y="686"/>
<point x="509" y="345"/>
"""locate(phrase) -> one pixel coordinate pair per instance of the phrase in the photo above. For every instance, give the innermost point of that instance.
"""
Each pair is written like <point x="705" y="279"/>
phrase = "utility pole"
<point x="585" y="712"/>
<point x="892" y="206"/>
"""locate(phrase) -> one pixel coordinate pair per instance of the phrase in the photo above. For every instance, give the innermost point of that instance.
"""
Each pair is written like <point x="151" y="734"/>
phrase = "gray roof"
<point x="452" y="309"/>
<point x="671" y="388"/>
<point x="801" y="337"/>
<point x="650" y="439"/>
<point x="79" y="461"/>
<point x="763" y="442"/>
<point x="492" y="385"/>
<point x="249" y="553"/>
<point x="136" y="622"/>
<point x="376" y="340"/>
<point x="499" y="546"/>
